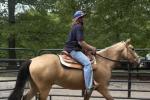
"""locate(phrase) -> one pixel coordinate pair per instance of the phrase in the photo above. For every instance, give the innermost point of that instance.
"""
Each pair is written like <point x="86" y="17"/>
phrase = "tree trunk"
<point x="11" y="38"/>
<point x="12" y="52"/>
<point x="11" y="11"/>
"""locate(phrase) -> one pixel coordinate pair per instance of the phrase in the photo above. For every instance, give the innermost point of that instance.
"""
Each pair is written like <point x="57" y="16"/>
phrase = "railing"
<point x="131" y="77"/>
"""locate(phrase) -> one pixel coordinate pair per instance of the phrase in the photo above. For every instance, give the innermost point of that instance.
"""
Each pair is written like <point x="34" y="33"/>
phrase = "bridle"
<point x="118" y="61"/>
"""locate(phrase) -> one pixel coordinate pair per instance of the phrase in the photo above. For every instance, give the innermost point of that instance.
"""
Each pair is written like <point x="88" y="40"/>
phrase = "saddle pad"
<point x="71" y="63"/>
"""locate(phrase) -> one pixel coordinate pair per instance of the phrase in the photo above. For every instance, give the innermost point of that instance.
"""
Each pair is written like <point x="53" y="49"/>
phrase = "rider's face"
<point x="80" y="19"/>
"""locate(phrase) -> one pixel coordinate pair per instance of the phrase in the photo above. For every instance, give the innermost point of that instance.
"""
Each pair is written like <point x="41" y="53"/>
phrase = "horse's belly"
<point x="71" y="79"/>
<point x="72" y="85"/>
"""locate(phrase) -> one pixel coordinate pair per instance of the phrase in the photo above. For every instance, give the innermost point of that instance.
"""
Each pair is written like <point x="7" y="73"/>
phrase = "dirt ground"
<point x="113" y="85"/>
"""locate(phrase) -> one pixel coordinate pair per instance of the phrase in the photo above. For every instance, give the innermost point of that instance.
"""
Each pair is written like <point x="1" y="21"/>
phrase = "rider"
<point x="75" y="44"/>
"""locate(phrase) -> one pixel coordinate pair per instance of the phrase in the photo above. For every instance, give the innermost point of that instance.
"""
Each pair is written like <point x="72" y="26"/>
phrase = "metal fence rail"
<point x="132" y="76"/>
<point x="129" y="89"/>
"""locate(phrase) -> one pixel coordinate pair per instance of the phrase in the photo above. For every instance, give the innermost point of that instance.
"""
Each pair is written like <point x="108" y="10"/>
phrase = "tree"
<point x="11" y="38"/>
<point x="11" y="9"/>
<point x="116" y="20"/>
<point x="107" y="21"/>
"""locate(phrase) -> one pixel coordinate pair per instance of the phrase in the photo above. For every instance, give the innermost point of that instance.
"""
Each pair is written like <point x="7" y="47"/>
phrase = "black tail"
<point x="22" y="77"/>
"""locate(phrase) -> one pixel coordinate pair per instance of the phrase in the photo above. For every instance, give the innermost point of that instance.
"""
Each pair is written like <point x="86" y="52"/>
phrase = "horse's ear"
<point x="128" y="41"/>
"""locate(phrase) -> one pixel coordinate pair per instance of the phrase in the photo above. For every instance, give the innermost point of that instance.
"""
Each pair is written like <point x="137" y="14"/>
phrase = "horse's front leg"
<point x="103" y="89"/>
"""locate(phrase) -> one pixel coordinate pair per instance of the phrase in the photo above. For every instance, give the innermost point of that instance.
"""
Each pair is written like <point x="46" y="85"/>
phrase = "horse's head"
<point x="129" y="53"/>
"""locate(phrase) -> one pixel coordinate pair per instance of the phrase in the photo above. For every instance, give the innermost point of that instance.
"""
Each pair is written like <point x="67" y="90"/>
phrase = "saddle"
<point x="67" y="61"/>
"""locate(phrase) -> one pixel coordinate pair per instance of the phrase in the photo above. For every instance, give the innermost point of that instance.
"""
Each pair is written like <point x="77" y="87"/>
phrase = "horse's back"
<point x="44" y="60"/>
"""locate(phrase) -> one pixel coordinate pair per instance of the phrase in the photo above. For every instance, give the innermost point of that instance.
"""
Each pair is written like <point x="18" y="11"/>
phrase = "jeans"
<point x="88" y="72"/>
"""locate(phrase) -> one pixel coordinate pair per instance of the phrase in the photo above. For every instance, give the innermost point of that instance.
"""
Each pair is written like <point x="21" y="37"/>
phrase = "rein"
<point x="118" y="61"/>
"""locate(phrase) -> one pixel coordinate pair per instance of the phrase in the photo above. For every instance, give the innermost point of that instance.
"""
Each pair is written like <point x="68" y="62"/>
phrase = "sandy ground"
<point x="113" y="85"/>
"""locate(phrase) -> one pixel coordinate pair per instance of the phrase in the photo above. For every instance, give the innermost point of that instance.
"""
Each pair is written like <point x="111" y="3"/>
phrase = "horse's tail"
<point x="22" y="77"/>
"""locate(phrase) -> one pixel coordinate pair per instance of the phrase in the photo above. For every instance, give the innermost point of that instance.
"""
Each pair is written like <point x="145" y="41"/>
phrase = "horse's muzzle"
<point x="137" y="61"/>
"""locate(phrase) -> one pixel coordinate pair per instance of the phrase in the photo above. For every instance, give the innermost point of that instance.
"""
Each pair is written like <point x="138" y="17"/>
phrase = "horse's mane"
<point x="112" y="46"/>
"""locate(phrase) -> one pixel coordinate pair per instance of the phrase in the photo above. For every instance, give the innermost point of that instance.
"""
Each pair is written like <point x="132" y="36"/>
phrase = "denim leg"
<point x="88" y="72"/>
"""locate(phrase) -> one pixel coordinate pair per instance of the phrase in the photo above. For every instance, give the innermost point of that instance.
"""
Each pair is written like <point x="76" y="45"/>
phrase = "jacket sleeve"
<point x="79" y="34"/>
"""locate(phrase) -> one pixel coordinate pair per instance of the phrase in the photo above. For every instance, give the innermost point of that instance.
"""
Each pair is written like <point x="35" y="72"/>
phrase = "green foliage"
<point x="48" y="22"/>
<point x="116" y="20"/>
<point x="36" y="31"/>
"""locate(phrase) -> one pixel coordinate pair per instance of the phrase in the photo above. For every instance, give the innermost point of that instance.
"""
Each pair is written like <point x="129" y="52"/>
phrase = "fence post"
<point x="37" y="96"/>
<point x="129" y="80"/>
<point x="50" y="97"/>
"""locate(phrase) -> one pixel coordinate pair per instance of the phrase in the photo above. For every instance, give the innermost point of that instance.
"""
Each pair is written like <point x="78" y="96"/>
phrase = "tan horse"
<point x="46" y="70"/>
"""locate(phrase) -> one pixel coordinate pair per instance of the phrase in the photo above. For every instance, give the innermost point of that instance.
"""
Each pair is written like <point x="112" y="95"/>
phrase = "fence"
<point x="130" y="78"/>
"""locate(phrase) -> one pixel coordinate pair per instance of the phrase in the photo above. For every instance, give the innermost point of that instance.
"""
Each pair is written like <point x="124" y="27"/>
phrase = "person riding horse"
<point x="76" y="44"/>
<point x="45" y="70"/>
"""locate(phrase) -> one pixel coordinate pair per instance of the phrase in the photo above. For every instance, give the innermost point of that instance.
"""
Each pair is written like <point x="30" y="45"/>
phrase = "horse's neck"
<point x="111" y="53"/>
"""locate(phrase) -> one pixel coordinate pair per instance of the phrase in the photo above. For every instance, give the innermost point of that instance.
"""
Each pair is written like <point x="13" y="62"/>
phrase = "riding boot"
<point x="87" y="94"/>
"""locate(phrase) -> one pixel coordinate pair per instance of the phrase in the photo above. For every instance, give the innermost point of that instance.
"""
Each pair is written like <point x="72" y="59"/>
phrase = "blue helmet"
<point x="78" y="14"/>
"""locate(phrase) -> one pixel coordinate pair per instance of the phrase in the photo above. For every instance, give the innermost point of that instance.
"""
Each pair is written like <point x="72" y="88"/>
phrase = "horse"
<point x="45" y="70"/>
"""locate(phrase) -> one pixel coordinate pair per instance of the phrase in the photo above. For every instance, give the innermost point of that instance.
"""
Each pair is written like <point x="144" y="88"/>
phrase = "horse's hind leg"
<point x="44" y="88"/>
<point x="104" y="91"/>
<point x="32" y="91"/>
<point x="29" y="95"/>
<point x="44" y="93"/>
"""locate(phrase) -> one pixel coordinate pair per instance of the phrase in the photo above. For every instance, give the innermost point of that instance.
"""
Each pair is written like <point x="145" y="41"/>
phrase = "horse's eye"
<point x="132" y="49"/>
